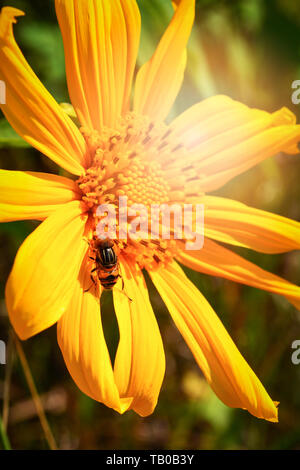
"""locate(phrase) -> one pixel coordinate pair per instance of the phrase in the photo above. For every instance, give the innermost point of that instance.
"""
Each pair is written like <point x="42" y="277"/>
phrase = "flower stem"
<point x="4" y="437"/>
<point x="7" y="380"/>
<point x="35" y="396"/>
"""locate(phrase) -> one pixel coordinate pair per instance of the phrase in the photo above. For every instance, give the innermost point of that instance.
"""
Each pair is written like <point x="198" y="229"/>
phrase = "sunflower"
<point x="123" y="149"/>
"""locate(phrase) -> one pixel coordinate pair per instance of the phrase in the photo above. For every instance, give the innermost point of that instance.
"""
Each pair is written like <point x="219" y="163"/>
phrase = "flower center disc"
<point x="129" y="161"/>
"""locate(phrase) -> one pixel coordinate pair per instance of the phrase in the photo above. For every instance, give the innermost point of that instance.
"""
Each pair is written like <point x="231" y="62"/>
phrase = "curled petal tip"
<point x="7" y="18"/>
<point x="11" y="12"/>
<point x="275" y="419"/>
<point x="272" y="417"/>
<point x="284" y="116"/>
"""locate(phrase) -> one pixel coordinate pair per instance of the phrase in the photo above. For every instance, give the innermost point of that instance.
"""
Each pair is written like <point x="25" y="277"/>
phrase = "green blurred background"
<point x="249" y="50"/>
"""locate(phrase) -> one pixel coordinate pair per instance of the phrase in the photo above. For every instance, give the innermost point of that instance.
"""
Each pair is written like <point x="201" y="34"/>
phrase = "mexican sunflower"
<point x="124" y="146"/>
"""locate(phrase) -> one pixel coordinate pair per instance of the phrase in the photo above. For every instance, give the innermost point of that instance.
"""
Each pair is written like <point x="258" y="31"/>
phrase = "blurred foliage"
<point x="9" y="138"/>
<point x="250" y="50"/>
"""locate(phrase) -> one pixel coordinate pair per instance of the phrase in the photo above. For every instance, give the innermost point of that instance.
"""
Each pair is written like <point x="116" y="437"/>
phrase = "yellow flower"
<point x="122" y="152"/>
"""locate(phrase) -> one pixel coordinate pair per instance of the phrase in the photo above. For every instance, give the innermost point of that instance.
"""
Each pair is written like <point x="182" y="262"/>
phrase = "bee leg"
<point x="93" y="281"/>
<point x="86" y="240"/>
<point x="123" y="291"/>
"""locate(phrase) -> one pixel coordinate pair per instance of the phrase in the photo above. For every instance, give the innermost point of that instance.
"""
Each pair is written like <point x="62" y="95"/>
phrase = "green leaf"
<point x="9" y="138"/>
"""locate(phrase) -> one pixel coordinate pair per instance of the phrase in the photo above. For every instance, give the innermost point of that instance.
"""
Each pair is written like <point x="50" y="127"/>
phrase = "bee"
<point x="107" y="264"/>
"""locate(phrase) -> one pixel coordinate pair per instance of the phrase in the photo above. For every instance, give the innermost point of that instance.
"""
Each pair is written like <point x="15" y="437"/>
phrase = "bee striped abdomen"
<point x="107" y="265"/>
<point x="109" y="282"/>
<point x="108" y="257"/>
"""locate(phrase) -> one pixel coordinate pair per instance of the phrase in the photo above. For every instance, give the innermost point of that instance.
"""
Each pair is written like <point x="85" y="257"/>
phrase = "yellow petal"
<point x="81" y="339"/>
<point x="29" y="195"/>
<point x="101" y="40"/>
<point x="204" y="126"/>
<point x="189" y="123"/>
<point x="247" y="154"/>
<point x="42" y="281"/>
<point x="226" y="138"/>
<point x="231" y="222"/>
<point x="31" y="110"/>
<point x="159" y="80"/>
<point x="229" y="375"/>
<point x="215" y="260"/>
<point x="140" y="359"/>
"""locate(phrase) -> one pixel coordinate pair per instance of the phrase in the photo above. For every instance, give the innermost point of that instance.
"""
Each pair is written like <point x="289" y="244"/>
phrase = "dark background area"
<point x="249" y="50"/>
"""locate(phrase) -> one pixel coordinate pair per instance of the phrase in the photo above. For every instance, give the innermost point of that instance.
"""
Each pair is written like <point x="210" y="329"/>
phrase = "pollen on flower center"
<point x="130" y="161"/>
